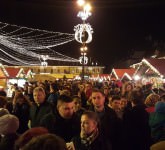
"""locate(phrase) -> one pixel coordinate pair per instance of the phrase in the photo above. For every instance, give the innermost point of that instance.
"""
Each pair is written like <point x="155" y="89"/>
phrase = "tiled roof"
<point x="2" y="74"/>
<point x="13" y="72"/>
<point x="120" y="72"/>
<point x="158" y="64"/>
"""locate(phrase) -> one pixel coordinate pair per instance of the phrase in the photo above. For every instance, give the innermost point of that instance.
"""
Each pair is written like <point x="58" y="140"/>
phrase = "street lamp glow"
<point x="81" y="2"/>
<point x="87" y="7"/>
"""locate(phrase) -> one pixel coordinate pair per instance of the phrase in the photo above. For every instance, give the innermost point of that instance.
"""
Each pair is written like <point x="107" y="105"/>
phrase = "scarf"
<point x="87" y="140"/>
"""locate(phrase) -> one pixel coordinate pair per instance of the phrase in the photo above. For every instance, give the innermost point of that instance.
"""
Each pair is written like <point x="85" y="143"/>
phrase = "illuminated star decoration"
<point x="25" y="46"/>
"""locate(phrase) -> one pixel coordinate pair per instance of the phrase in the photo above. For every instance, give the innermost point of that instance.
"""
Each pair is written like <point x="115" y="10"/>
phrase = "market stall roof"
<point x="13" y="72"/>
<point x="157" y="65"/>
<point x="118" y="73"/>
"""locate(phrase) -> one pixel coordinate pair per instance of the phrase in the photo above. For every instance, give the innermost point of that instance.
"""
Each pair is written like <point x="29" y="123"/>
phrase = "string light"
<point x="22" y="45"/>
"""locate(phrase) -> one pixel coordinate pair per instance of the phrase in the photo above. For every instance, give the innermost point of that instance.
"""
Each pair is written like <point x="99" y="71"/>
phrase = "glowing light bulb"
<point x="87" y="7"/>
<point x="80" y="2"/>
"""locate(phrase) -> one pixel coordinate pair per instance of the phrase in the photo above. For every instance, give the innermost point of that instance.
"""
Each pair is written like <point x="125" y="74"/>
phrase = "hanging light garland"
<point x="22" y="45"/>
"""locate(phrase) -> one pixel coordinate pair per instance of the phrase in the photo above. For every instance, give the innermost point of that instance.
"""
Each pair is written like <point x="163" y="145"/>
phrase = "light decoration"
<point x="20" y="71"/>
<point x="113" y="71"/>
<point x="24" y="46"/>
<point x="85" y="13"/>
<point x="136" y="77"/>
<point x="80" y="30"/>
<point x="85" y="60"/>
<point x="152" y="67"/>
<point x="44" y="57"/>
<point x="4" y="70"/>
<point x="127" y="75"/>
<point x="83" y="30"/>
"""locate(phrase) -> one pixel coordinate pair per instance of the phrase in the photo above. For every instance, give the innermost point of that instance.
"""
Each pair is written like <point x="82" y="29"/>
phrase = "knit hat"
<point x="8" y="124"/>
<point x="160" y="107"/>
<point x="3" y="111"/>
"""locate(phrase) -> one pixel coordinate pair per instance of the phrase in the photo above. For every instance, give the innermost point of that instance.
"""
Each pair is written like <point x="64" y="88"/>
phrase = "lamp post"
<point x="81" y="30"/>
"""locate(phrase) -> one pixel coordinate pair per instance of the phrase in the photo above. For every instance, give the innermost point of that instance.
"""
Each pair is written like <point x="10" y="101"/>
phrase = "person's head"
<point x="53" y="87"/>
<point x="106" y="90"/>
<point x="45" y="142"/>
<point x="123" y="102"/>
<point x="128" y="87"/>
<point x="19" y="98"/>
<point x="28" y="135"/>
<point x="115" y="102"/>
<point x="8" y="124"/>
<point x="39" y="95"/>
<point x="162" y="98"/>
<point x="89" y="122"/>
<point x="151" y="100"/>
<point x="98" y="99"/>
<point x="65" y="106"/>
<point x="160" y="107"/>
<point x="3" y="112"/>
<point x="3" y="93"/>
<point x="77" y="102"/>
<point x="136" y="97"/>
<point x="3" y="102"/>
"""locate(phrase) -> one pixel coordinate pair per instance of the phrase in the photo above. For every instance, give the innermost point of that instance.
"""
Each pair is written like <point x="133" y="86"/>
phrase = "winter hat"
<point x="3" y="112"/>
<point x="29" y="134"/>
<point x="8" y="124"/>
<point x="160" y="107"/>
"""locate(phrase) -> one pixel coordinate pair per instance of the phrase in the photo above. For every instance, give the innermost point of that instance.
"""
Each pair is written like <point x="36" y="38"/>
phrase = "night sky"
<point x="120" y="26"/>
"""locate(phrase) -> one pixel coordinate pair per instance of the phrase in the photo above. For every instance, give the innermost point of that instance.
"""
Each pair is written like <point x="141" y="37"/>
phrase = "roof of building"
<point x="158" y="64"/>
<point x="120" y="72"/>
<point x="13" y="72"/>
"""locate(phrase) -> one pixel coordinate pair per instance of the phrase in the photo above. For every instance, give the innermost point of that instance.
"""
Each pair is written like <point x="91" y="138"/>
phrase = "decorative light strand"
<point x="22" y="48"/>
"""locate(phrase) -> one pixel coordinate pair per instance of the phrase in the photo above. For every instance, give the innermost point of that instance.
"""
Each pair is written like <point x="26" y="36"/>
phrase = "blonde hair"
<point x="151" y="100"/>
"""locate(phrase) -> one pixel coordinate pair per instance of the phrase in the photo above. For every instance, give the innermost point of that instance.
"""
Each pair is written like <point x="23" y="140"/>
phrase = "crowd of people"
<point x="88" y="115"/>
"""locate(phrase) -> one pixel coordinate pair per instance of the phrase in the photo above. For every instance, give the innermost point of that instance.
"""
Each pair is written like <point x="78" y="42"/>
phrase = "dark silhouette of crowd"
<point x="82" y="115"/>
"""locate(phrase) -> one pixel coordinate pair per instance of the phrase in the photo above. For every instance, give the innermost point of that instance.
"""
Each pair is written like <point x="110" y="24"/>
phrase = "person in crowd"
<point x="150" y="102"/>
<point x="123" y="103"/>
<point x="158" y="146"/>
<point x="90" y="137"/>
<point x="81" y="94"/>
<point x="8" y="127"/>
<point x="114" y="103"/>
<point x="148" y="90"/>
<point x="54" y="94"/>
<point x="45" y="142"/>
<point x="40" y="108"/>
<point x="3" y="93"/>
<point x="162" y="98"/>
<point x="106" y="93"/>
<point x="88" y="92"/>
<point x="127" y="90"/>
<point x="28" y="135"/>
<point x="78" y="109"/>
<point x="136" y="131"/>
<point x="110" y="123"/>
<point x="21" y="109"/>
<point x="30" y="93"/>
<point x="63" y="121"/>
<point x="3" y="112"/>
<point x="3" y="102"/>
<point x="157" y="122"/>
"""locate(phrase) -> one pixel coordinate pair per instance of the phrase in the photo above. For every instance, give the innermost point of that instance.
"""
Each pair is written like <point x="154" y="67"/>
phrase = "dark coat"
<point x="110" y="126"/>
<point x="136" y="129"/>
<point x="65" y="128"/>
<point x="99" y="143"/>
<point x="7" y="142"/>
<point x="38" y="112"/>
<point x="22" y="112"/>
